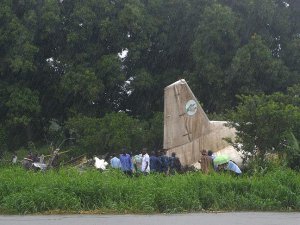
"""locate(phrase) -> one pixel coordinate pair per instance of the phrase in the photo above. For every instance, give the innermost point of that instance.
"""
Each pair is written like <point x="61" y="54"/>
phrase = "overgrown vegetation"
<point x="268" y="124"/>
<point x="70" y="191"/>
<point x="61" y="67"/>
<point x="62" y="77"/>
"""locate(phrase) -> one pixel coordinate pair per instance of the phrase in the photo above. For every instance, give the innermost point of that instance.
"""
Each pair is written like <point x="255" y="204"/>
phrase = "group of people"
<point x="207" y="162"/>
<point x="142" y="163"/>
<point x="159" y="162"/>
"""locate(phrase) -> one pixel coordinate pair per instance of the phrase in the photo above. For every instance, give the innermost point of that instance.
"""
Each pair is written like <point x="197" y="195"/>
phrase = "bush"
<point x="114" y="131"/>
<point x="264" y="124"/>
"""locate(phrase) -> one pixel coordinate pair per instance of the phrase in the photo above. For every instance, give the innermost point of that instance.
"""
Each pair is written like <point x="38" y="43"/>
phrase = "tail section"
<point x="184" y="118"/>
<point x="187" y="129"/>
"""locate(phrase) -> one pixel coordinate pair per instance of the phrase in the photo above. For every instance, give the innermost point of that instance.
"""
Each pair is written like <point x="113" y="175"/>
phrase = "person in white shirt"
<point x="115" y="162"/>
<point x="145" y="162"/>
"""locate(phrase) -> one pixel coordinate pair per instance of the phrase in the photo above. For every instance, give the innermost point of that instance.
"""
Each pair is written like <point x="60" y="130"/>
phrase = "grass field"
<point x="71" y="191"/>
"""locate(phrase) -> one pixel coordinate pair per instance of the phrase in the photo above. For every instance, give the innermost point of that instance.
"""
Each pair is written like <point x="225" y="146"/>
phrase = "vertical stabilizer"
<point x="187" y="130"/>
<point x="184" y="118"/>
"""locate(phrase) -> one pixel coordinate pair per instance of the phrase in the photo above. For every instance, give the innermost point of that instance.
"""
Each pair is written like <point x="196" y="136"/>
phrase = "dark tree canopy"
<point x="93" y="60"/>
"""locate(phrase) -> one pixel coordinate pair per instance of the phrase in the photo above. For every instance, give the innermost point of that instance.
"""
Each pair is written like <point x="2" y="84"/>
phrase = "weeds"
<point x="68" y="190"/>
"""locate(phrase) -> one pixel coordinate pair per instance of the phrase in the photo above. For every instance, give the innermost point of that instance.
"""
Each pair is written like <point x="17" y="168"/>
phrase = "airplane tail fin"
<point x="184" y="118"/>
<point x="187" y="129"/>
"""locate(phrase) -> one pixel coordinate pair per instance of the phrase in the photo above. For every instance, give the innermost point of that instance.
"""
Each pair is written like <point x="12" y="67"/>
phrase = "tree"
<point x="293" y="153"/>
<point x="22" y="110"/>
<point x="81" y="89"/>
<point x="165" y="55"/>
<point x="255" y="70"/>
<point x="213" y="48"/>
<point x="3" y="140"/>
<point x="292" y="55"/>
<point x="65" y="57"/>
<point x="264" y="123"/>
<point x="155" y="131"/>
<point x="108" y="134"/>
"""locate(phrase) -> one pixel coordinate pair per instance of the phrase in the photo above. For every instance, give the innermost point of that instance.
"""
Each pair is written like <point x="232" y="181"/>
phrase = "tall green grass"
<point x="69" y="190"/>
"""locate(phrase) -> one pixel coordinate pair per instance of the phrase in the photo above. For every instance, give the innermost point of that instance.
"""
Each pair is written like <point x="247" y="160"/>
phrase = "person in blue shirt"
<point x="126" y="165"/>
<point x="115" y="162"/>
<point x="155" y="163"/>
<point x="174" y="163"/>
<point x="164" y="162"/>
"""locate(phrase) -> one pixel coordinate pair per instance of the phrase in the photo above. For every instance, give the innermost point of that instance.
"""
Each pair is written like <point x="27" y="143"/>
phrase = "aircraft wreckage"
<point x="187" y="129"/>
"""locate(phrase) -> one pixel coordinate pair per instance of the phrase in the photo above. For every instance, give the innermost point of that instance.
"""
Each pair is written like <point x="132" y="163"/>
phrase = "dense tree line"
<point x="64" y="70"/>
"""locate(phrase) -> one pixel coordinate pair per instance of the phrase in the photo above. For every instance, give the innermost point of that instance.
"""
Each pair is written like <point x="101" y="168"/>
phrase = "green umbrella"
<point x="221" y="159"/>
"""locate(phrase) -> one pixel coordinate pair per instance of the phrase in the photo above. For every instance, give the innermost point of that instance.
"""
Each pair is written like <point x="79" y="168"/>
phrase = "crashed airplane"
<point x="187" y="129"/>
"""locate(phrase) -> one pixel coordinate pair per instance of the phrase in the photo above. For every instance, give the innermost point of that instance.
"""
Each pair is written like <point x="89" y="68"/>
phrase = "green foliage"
<point x="60" y="59"/>
<point x="293" y="153"/>
<point x="121" y="130"/>
<point x="87" y="132"/>
<point x="82" y="83"/>
<point x="264" y="123"/>
<point x="69" y="191"/>
<point x="254" y="70"/>
<point x="155" y="131"/>
<point x="3" y="141"/>
<point x="38" y="201"/>
<point x="108" y="134"/>
<point x="23" y="106"/>
<point x="215" y="43"/>
<point x="109" y="70"/>
<point x="293" y="51"/>
<point x="54" y="133"/>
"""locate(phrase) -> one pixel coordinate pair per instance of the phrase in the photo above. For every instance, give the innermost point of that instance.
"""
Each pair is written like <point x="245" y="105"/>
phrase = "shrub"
<point x="264" y="123"/>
